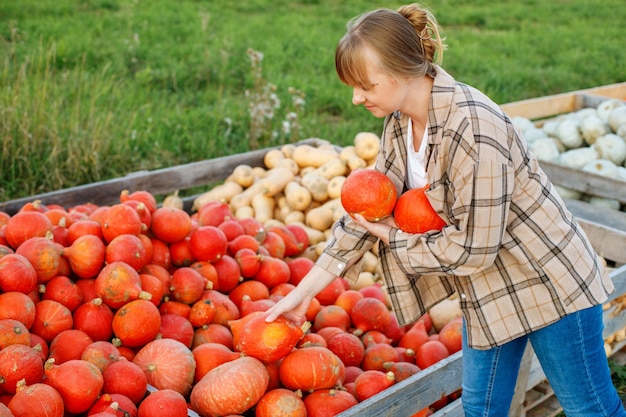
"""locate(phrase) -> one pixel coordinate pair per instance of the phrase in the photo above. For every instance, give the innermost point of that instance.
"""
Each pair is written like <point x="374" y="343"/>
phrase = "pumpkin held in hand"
<point x="414" y="214"/>
<point x="369" y="193"/>
<point x="268" y="342"/>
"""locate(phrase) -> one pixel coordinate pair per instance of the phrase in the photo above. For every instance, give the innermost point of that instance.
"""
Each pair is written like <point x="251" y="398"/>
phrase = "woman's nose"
<point x="357" y="96"/>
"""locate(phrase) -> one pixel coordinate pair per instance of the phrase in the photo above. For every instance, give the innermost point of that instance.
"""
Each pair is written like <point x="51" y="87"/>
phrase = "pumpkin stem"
<point x="305" y="327"/>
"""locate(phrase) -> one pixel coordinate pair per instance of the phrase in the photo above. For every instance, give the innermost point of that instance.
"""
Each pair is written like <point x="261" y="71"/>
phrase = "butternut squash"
<point x="308" y="156"/>
<point x="173" y="201"/>
<point x="320" y="218"/>
<point x="370" y="261"/>
<point x="332" y="168"/>
<point x="287" y="150"/>
<point x="271" y="184"/>
<point x="224" y="193"/>
<point x="243" y="175"/>
<point x="263" y="206"/>
<point x="320" y="246"/>
<point x="294" y="216"/>
<point x="366" y="145"/>
<point x="444" y="311"/>
<point x="288" y="163"/>
<point x="297" y="196"/>
<point x="272" y="223"/>
<point x="317" y="186"/>
<point x="352" y="160"/>
<point x="365" y="279"/>
<point x="272" y="157"/>
<point x="334" y="186"/>
<point x="244" y="212"/>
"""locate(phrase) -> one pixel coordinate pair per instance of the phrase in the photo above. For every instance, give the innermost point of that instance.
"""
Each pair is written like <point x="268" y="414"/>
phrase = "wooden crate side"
<point x="605" y="229"/>
<point x="549" y="106"/>
<point x="584" y="181"/>
<point x="413" y="394"/>
<point x="161" y="181"/>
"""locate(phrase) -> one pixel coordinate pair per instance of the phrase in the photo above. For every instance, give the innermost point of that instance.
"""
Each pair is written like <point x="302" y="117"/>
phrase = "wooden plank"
<point x="161" y="181"/>
<point x="519" y="396"/>
<point x="453" y="409"/>
<point x="548" y="106"/>
<point x="413" y="394"/>
<point x="607" y="240"/>
<point x="585" y="182"/>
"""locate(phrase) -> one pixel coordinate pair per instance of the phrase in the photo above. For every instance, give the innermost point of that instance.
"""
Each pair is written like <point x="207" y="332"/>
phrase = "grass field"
<point x="94" y="89"/>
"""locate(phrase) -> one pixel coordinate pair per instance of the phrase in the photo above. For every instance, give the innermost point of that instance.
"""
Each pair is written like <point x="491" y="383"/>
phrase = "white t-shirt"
<point x="415" y="166"/>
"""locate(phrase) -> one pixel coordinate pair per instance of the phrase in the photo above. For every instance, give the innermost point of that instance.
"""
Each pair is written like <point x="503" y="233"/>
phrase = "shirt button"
<point x="463" y="296"/>
<point x="340" y="266"/>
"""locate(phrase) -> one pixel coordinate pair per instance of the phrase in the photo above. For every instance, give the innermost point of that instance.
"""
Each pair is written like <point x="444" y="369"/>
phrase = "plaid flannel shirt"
<point x="511" y="250"/>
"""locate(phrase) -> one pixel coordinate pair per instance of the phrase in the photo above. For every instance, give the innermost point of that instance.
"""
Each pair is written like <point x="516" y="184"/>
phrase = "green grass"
<point x="95" y="89"/>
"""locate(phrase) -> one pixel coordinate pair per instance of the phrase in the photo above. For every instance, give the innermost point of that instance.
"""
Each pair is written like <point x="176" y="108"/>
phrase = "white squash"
<point x="545" y="149"/>
<point x="531" y="135"/>
<point x="577" y="158"/>
<point x="603" y="167"/>
<point x="606" y="107"/>
<point x="611" y="147"/>
<point x="551" y="128"/>
<point x="617" y="117"/>
<point x="592" y="127"/>
<point x="523" y="123"/>
<point x="569" y="133"/>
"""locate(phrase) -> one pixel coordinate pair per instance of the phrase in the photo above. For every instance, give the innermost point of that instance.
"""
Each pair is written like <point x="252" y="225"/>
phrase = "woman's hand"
<point x="295" y="304"/>
<point x="379" y="229"/>
<point x="292" y="306"/>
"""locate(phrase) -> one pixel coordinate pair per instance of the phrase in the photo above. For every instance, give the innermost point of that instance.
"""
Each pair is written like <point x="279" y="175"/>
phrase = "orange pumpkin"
<point x="211" y="355"/>
<point x="86" y="255"/>
<point x="281" y="402"/>
<point x="328" y="402"/>
<point x="44" y="255"/>
<point x="231" y="388"/>
<point x="168" y="364"/>
<point x="137" y="323"/>
<point x="51" y="318"/>
<point x="311" y="368"/>
<point x="372" y="382"/>
<point x="163" y="403"/>
<point x="268" y="342"/>
<point x="79" y="383"/>
<point x="414" y="214"/>
<point x="38" y="399"/>
<point x="370" y="193"/>
<point x="19" y="362"/>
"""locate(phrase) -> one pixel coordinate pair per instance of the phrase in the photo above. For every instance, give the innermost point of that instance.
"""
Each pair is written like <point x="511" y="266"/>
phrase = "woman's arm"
<point x="295" y="304"/>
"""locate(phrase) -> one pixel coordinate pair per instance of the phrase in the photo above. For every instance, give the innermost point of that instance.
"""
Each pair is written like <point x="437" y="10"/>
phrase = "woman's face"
<point x="384" y="95"/>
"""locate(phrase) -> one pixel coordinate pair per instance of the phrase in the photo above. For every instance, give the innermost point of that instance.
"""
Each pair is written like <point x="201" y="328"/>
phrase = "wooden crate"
<point x="606" y="229"/>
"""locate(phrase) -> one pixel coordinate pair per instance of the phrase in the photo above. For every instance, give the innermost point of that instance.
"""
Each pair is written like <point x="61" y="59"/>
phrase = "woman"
<point x="523" y="268"/>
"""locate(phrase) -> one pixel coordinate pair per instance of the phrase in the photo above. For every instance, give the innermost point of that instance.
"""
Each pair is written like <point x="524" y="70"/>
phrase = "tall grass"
<point x="94" y="89"/>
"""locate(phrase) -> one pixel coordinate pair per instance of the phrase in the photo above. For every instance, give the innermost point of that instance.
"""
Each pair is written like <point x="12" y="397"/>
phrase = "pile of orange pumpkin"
<point x="141" y="309"/>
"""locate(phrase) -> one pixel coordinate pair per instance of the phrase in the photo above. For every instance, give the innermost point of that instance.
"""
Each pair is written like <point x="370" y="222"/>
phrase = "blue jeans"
<point x="571" y="354"/>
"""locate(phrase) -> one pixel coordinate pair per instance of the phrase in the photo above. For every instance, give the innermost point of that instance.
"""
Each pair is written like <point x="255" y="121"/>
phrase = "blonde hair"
<point x="407" y="43"/>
